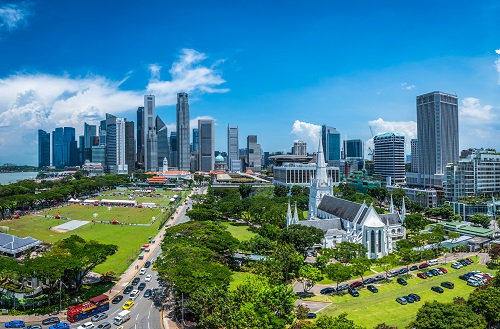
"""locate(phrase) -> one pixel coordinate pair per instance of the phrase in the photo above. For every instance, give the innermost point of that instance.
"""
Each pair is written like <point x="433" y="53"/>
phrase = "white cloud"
<point x="497" y="65"/>
<point x="472" y="112"/>
<point x="497" y="51"/>
<point x="308" y="132"/>
<point x="44" y="101"/>
<point x="380" y="126"/>
<point x="13" y="15"/>
<point x="406" y="86"/>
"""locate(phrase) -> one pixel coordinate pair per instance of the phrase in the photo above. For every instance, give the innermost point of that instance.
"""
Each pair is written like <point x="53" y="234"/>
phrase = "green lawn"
<point x="370" y="309"/>
<point x="239" y="278"/>
<point x="239" y="231"/>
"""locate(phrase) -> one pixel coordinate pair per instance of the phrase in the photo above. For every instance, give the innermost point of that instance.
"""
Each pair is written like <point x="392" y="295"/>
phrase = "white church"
<point x="343" y="220"/>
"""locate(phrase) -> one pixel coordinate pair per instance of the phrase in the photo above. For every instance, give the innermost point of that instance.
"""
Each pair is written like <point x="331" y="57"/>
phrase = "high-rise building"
<point x="43" y="148"/>
<point x="140" y="135"/>
<point x="115" y="145"/>
<point x="437" y="132"/>
<point x="389" y="157"/>
<point x="299" y="148"/>
<point x="331" y="145"/>
<point x="129" y="146"/>
<point x="254" y="154"/>
<point x="353" y="148"/>
<point x="173" y="149"/>
<point x="195" y="140"/>
<point x="183" y="145"/>
<point x="89" y="132"/>
<point x="414" y="155"/>
<point x="150" y="148"/>
<point x="63" y="150"/>
<point x="163" y="148"/>
<point x="206" y="141"/>
<point x="110" y="143"/>
<point x="121" y="162"/>
<point x="233" y="157"/>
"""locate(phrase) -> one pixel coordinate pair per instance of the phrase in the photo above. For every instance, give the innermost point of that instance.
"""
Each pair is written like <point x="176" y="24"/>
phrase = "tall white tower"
<point x="321" y="185"/>
<point x="150" y="136"/>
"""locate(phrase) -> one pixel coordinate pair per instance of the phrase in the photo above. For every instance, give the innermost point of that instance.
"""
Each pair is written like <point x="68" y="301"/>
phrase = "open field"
<point x="239" y="231"/>
<point x="239" y="278"/>
<point x="369" y="309"/>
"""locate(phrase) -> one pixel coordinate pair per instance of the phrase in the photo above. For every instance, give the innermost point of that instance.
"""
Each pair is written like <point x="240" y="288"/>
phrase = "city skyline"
<point x="357" y="72"/>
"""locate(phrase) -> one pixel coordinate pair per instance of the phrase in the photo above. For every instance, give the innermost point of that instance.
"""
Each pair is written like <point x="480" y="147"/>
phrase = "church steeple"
<point x="321" y="176"/>
<point x="321" y="185"/>
<point x="288" y="215"/>
<point x="295" y="215"/>
<point x="391" y="208"/>
<point x="403" y="210"/>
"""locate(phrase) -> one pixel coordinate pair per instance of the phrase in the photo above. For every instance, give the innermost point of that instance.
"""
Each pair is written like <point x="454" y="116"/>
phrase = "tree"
<point x="408" y="256"/>
<point x="347" y="191"/>
<point x="245" y="190"/>
<point x="330" y="322"/>
<point x="297" y="190"/>
<point x="281" y="191"/>
<point x="494" y="252"/>
<point x="360" y="265"/>
<point x="338" y="273"/>
<point x="258" y="244"/>
<point x="281" y="265"/>
<point x="301" y="311"/>
<point x="302" y="237"/>
<point x="309" y="275"/>
<point x="415" y="222"/>
<point x="480" y="219"/>
<point x="379" y="193"/>
<point x="212" y="306"/>
<point x="387" y="262"/>
<point x="436" y="315"/>
<point x="397" y="197"/>
<point x="384" y="326"/>
<point x="345" y="251"/>
<point x="48" y="269"/>
<point x="203" y="214"/>
<point x="486" y="302"/>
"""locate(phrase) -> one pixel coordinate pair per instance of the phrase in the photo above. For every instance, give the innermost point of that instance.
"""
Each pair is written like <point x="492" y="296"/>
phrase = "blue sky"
<point x="275" y="69"/>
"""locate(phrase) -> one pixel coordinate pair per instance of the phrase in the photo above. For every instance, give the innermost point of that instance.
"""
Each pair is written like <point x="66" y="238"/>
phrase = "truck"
<point x="122" y="317"/>
<point x="88" y="309"/>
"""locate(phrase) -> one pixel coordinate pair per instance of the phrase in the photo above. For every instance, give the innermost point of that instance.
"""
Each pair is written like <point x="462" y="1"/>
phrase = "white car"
<point x="142" y="271"/>
<point x="133" y="295"/>
<point x="86" y="325"/>
<point x="148" y="278"/>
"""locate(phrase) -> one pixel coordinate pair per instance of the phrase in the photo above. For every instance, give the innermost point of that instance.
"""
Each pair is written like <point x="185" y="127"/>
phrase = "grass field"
<point x="239" y="278"/>
<point x="161" y="197"/>
<point x="369" y="309"/>
<point x="239" y="231"/>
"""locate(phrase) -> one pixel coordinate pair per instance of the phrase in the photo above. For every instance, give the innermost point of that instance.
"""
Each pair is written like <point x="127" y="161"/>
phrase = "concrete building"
<point x="299" y="148"/>
<point x="331" y="145"/>
<point x="115" y="145"/>
<point x="163" y="147"/>
<point x="173" y="150"/>
<point x="302" y="174"/>
<point x="206" y="142"/>
<point x="233" y="157"/>
<point x="196" y="143"/>
<point x="89" y="132"/>
<point x="183" y="132"/>
<point x="254" y="154"/>
<point x="427" y="197"/>
<point x="353" y="149"/>
<point x="414" y="155"/>
<point x="389" y="157"/>
<point x="150" y="147"/>
<point x="64" y="147"/>
<point x="140" y="136"/>
<point x="129" y="146"/>
<point x="43" y="148"/>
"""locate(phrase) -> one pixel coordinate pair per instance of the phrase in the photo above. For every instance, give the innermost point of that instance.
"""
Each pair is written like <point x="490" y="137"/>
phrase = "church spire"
<point x="391" y="208"/>
<point x="403" y="210"/>
<point x="288" y="215"/>
<point x="295" y="215"/>
<point x="321" y="176"/>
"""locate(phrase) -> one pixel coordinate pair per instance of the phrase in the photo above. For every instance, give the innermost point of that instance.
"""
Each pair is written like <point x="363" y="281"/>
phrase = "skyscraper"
<point x="89" y="132"/>
<point x="233" y="157"/>
<point x="437" y="132"/>
<point x="64" y="147"/>
<point x="254" y="154"/>
<point x="183" y="145"/>
<point x="195" y="140"/>
<point x="121" y="162"/>
<point x="414" y="155"/>
<point x="129" y="146"/>
<point x="354" y="148"/>
<point x="110" y="143"/>
<point x="206" y="141"/>
<point x="330" y="139"/>
<point x="43" y="148"/>
<point x="299" y="148"/>
<point x="389" y="157"/>
<point x="150" y="148"/>
<point x="140" y="134"/>
<point x="173" y="149"/>
<point x="163" y="148"/>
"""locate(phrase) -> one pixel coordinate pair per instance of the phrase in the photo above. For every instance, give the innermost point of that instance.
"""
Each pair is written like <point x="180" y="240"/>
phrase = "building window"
<point x="372" y="241"/>
<point x="379" y="241"/>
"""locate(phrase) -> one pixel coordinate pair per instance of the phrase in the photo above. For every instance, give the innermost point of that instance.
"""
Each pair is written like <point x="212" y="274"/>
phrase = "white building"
<point x="121" y="166"/>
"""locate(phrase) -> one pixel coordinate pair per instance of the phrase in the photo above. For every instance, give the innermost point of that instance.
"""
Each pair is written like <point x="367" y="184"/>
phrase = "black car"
<point x="353" y="292"/>
<point x="141" y="286"/>
<point x="369" y="280"/>
<point x="342" y="287"/>
<point x="147" y="264"/>
<point x="447" y="284"/>
<point x="147" y="293"/>
<point x="414" y="268"/>
<point x="463" y="262"/>
<point x="117" y="299"/>
<point x="403" y="271"/>
<point x="327" y="290"/>
<point x="311" y="315"/>
<point x="372" y="288"/>
<point x="34" y="326"/>
<point x="52" y="320"/>
<point x="415" y="297"/>
<point x="379" y="278"/>
<point x="434" y="272"/>
<point x="402" y="281"/>
<point x="128" y="289"/>
<point x="437" y="289"/>
<point x="135" y="281"/>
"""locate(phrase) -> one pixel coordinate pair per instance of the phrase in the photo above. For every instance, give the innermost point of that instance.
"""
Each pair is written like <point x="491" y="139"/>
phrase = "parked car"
<point x="401" y="300"/>
<point x="135" y="281"/>
<point x="456" y="265"/>
<point x="439" y="271"/>
<point x="413" y="268"/>
<point x="147" y="293"/>
<point x="434" y="272"/>
<point x="472" y="283"/>
<point x="342" y="287"/>
<point x="99" y="317"/>
<point x="148" y="278"/>
<point x="442" y="269"/>
<point x="117" y="299"/>
<point x="104" y="325"/>
<point x="423" y="265"/>
<point x="51" y="320"/>
<point x="128" y="289"/>
<point x="34" y="326"/>
<point x="141" y="286"/>
<point x="15" y="324"/>
<point x="415" y="297"/>
<point x="356" y="284"/>
<point x="147" y="264"/>
<point x="469" y="260"/>
<point x="402" y="281"/>
<point x="311" y="315"/>
<point x="369" y="280"/>
<point x="379" y="278"/>
<point x="86" y="325"/>
<point x="353" y="292"/>
<point x="393" y="273"/>
<point x="429" y="274"/>
<point x="437" y="289"/>
<point x="422" y="275"/>
<point x="372" y="288"/>
<point x="447" y="284"/>
<point x="409" y="299"/>
<point x="403" y="270"/>
<point x="327" y="290"/>
<point x="463" y="262"/>
<point x="60" y="325"/>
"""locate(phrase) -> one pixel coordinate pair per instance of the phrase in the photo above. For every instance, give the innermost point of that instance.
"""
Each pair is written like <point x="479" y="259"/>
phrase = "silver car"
<point x="99" y="317"/>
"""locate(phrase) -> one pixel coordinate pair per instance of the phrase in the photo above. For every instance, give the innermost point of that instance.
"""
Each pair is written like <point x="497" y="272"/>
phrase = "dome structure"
<point x="219" y="158"/>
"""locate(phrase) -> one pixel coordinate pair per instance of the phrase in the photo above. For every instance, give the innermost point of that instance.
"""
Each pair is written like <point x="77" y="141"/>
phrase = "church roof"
<point x="323" y="224"/>
<point x="373" y="220"/>
<point x="344" y="209"/>
<point x="390" y="219"/>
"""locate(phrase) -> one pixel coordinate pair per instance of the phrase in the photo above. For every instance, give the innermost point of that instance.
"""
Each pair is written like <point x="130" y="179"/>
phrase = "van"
<point x="141" y="256"/>
<point x="433" y="262"/>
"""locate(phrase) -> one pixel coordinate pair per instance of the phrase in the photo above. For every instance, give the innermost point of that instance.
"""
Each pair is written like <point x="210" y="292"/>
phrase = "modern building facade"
<point x="330" y="138"/>
<point x="301" y="174"/>
<point x="89" y="132"/>
<point x="163" y="144"/>
<point x="150" y="147"/>
<point x="437" y="131"/>
<point x="196" y="136"/>
<point x="206" y="142"/>
<point x="414" y="155"/>
<point x="130" y="158"/>
<point x="183" y="131"/>
<point x="140" y="135"/>
<point x="173" y="150"/>
<point x="43" y="148"/>
<point x="299" y="148"/>
<point x="233" y="158"/>
<point x="353" y="148"/>
<point x="254" y="154"/>
<point x="389" y="157"/>
<point x="121" y="166"/>
<point x="64" y="147"/>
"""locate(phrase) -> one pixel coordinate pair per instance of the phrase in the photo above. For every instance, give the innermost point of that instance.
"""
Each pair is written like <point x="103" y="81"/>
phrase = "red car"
<point x="423" y="265"/>
<point x="442" y="269"/>
<point x="356" y="284"/>
<point x="470" y="260"/>
<point x="422" y="275"/>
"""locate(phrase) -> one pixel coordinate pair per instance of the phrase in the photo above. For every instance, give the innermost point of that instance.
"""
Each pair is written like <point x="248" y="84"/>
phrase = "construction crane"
<point x="371" y="151"/>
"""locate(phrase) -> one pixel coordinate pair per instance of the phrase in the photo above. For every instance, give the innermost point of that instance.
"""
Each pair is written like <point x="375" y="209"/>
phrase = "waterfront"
<point x="12" y="177"/>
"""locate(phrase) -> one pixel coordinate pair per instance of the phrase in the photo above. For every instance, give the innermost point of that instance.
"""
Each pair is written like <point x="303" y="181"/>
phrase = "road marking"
<point x="148" y="325"/>
<point x="115" y="311"/>
<point x="136" y="317"/>
<point x="149" y="314"/>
